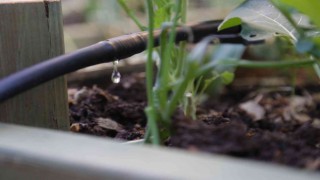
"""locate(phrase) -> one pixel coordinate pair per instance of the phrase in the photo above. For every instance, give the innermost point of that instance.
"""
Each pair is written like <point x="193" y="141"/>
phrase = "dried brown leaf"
<point x="253" y="108"/>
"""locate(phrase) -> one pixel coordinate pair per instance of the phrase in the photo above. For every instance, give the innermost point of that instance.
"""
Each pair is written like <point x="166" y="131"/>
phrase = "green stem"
<point x="179" y="92"/>
<point x="130" y="13"/>
<point x="167" y="45"/>
<point x="182" y="45"/>
<point x="184" y="7"/>
<point x="150" y="45"/>
<point x="150" y="111"/>
<point x="170" y="45"/>
<point x="181" y="59"/>
<point x="161" y="85"/>
<point x="189" y="100"/>
<point x="270" y="64"/>
<point x="153" y="134"/>
<point x="261" y="64"/>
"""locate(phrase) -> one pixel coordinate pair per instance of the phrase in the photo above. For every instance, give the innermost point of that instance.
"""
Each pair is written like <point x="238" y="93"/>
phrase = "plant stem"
<point x="152" y="134"/>
<point x="166" y="47"/>
<point x="261" y="64"/>
<point x="131" y="15"/>
<point x="150" y="45"/>
<point x="182" y="45"/>
<point x="270" y="64"/>
<point x="170" y="45"/>
<point x="180" y="91"/>
<point x="160" y="87"/>
<point x="184" y="6"/>
<point x="150" y="111"/>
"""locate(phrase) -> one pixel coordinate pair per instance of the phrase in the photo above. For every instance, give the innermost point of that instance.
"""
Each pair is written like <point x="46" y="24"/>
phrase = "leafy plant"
<point x="175" y="80"/>
<point x="263" y="19"/>
<point x="309" y="39"/>
<point x="181" y="76"/>
<point x="167" y="14"/>
<point x="260" y="20"/>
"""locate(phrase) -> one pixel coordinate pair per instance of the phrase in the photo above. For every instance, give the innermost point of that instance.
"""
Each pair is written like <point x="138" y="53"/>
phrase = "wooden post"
<point x="31" y="31"/>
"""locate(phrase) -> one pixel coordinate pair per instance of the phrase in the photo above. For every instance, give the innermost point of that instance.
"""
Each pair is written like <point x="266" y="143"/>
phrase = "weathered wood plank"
<point x="31" y="31"/>
<point x="31" y="153"/>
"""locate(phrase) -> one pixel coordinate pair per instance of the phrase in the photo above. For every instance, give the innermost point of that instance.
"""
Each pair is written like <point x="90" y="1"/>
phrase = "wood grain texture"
<point x="32" y="153"/>
<point x="30" y="32"/>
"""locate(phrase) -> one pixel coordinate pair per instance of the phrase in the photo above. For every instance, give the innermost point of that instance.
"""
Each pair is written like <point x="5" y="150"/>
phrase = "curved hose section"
<point x="102" y="52"/>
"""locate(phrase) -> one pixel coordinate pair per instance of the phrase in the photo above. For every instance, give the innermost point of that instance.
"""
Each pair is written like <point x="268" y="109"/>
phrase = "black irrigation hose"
<point x="105" y="51"/>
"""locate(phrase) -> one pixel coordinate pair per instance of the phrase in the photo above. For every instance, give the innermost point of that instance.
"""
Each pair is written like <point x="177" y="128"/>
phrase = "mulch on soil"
<point x="269" y="124"/>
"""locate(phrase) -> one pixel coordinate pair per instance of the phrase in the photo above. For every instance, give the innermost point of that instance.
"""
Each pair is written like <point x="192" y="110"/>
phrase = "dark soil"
<point x="269" y="124"/>
<point x="103" y="113"/>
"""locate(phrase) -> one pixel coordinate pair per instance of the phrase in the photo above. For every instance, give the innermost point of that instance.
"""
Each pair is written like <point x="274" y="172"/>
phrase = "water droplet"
<point x="116" y="62"/>
<point x="116" y="76"/>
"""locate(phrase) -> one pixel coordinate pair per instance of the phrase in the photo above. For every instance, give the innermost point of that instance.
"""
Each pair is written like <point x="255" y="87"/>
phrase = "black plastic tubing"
<point x="105" y="51"/>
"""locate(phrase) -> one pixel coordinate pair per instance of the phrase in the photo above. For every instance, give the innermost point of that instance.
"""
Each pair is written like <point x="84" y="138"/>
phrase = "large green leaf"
<point x="309" y="7"/>
<point x="260" y="20"/>
<point x="308" y="41"/>
<point x="234" y="21"/>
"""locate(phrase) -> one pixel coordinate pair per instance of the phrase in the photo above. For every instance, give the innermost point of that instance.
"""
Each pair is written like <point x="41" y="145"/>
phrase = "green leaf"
<point x="316" y="49"/>
<point x="199" y="51"/>
<point x="161" y="16"/>
<point x="230" y="23"/>
<point x="304" y="45"/>
<point x="226" y="51"/>
<point x="208" y="82"/>
<point x="316" y="40"/>
<point x="227" y="77"/>
<point x="163" y="12"/>
<point x="161" y="3"/>
<point x="309" y="7"/>
<point x="260" y="20"/>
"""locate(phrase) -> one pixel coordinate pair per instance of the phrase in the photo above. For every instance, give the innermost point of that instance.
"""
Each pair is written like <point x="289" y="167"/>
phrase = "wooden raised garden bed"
<point x="256" y="123"/>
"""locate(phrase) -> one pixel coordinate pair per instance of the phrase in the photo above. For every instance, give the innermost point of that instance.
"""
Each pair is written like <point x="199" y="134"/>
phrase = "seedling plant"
<point x="180" y="76"/>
